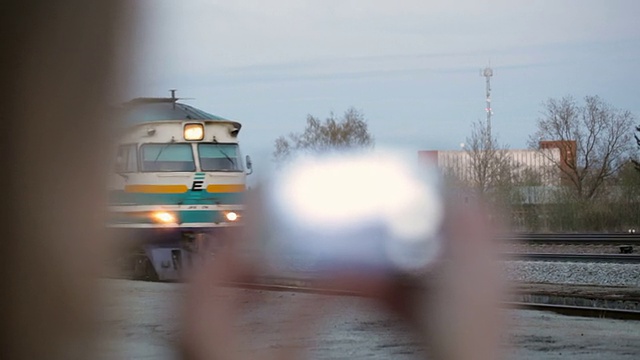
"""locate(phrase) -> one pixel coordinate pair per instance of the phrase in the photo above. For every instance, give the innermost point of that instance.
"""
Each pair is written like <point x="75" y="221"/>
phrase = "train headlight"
<point x="193" y="132"/>
<point x="232" y="216"/>
<point x="163" y="217"/>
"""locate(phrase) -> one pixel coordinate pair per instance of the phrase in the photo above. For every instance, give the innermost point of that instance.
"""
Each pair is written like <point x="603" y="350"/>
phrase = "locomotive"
<point x="178" y="183"/>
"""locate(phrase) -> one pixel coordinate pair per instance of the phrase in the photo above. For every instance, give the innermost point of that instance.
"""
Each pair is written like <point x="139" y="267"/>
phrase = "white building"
<point x="539" y="167"/>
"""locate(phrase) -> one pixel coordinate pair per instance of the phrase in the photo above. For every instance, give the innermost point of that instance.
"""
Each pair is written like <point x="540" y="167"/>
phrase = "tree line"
<point x="591" y="156"/>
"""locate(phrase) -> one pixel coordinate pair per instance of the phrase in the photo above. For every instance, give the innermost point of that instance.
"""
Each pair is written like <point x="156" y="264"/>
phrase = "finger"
<point x="211" y="308"/>
<point x="464" y="319"/>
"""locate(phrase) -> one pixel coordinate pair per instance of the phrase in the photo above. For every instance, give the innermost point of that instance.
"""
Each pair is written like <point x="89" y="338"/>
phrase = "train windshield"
<point x="219" y="157"/>
<point x="167" y="157"/>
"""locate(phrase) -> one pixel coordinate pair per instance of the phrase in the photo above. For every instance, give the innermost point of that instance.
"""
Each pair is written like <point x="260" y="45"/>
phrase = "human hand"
<point x="453" y="308"/>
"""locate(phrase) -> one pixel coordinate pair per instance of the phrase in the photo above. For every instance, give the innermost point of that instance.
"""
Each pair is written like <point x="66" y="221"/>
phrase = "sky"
<point x="411" y="67"/>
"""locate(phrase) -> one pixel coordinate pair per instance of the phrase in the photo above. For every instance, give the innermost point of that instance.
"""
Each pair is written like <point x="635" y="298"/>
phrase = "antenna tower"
<point x="488" y="73"/>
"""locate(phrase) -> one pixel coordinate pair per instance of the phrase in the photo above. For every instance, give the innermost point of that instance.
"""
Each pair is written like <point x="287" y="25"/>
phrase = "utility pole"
<point x="173" y="97"/>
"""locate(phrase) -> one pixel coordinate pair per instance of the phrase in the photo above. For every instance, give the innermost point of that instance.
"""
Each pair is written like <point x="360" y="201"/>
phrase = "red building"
<point x="568" y="155"/>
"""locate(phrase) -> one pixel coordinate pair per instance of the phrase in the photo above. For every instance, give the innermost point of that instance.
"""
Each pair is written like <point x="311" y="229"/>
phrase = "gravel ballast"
<point x="604" y="274"/>
<point x="602" y="285"/>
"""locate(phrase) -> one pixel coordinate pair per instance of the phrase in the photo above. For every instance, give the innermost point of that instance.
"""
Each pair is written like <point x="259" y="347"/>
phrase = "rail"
<point x="594" y="258"/>
<point x="582" y="311"/>
<point x="574" y="239"/>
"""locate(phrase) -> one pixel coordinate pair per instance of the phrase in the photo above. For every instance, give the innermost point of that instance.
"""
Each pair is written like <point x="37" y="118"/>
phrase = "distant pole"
<point x="173" y="97"/>
<point x="488" y="73"/>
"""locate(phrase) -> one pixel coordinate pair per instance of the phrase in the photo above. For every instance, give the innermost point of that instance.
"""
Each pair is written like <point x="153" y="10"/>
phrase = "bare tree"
<point x="490" y="164"/>
<point x="594" y="141"/>
<point x="635" y="162"/>
<point x="350" y="131"/>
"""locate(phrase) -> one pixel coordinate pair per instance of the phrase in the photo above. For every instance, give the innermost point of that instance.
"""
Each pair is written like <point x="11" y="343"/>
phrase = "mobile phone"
<point x="362" y="211"/>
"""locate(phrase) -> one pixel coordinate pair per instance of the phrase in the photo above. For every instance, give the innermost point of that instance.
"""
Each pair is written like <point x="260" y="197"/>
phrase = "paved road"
<point x="141" y="322"/>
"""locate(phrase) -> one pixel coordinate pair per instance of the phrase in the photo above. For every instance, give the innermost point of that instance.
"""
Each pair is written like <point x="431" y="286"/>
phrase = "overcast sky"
<point x="412" y="67"/>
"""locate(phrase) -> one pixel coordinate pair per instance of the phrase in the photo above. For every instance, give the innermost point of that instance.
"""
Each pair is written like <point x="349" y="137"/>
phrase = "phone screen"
<point x="361" y="211"/>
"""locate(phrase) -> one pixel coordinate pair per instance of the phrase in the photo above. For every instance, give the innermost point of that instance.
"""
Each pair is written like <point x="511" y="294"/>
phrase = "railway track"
<point x="573" y="239"/>
<point x="561" y="257"/>
<point x="304" y="286"/>
<point x="582" y="311"/>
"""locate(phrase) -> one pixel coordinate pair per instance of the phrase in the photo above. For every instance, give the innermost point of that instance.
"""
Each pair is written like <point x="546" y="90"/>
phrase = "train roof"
<point x="143" y="110"/>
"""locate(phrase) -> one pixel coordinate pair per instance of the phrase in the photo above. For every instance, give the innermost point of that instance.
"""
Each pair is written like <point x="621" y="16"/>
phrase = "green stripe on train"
<point x="120" y="197"/>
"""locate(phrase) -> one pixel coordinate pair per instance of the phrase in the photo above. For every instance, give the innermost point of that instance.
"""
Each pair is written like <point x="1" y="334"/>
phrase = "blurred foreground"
<point x="139" y="322"/>
<point x="61" y="73"/>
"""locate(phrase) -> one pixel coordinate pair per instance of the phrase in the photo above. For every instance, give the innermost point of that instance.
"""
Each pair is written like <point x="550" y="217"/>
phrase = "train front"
<point x="178" y="183"/>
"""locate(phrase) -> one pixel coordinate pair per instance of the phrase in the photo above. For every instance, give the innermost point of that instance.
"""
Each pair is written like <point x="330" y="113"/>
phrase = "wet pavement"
<point x="142" y="321"/>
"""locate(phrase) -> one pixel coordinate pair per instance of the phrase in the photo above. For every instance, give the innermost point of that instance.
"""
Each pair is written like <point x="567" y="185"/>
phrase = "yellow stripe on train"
<point x="156" y="189"/>
<point x="227" y="188"/>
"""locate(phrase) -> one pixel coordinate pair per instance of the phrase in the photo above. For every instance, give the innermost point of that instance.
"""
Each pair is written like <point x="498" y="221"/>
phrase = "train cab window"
<point x="219" y="157"/>
<point x="167" y="157"/>
<point x="127" y="158"/>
